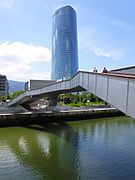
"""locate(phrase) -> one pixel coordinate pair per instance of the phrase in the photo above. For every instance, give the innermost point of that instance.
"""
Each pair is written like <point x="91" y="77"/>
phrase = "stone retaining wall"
<point x="38" y="118"/>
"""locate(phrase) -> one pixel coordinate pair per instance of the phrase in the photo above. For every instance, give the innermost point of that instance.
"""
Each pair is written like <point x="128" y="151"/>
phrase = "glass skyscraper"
<point x="64" y="44"/>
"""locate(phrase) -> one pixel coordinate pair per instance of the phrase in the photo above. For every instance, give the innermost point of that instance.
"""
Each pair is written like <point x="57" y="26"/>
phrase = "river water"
<point x="102" y="149"/>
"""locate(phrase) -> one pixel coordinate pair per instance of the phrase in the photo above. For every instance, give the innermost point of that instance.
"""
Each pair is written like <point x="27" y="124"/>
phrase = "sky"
<point x="106" y="36"/>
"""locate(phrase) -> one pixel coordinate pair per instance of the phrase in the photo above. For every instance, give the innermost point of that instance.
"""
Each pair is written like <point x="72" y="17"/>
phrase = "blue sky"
<point x="106" y="35"/>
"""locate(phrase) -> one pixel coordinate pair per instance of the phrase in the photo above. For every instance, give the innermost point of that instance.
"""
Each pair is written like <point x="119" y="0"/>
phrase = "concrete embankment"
<point x="29" y="118"/>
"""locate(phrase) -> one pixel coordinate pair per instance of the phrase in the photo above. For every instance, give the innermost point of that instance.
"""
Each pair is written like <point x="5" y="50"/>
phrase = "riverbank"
<point x="28" y="118"/>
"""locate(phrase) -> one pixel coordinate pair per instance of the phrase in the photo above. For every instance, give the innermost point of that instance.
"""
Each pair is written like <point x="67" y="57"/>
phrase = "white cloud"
<point x="26" y="53"/>
<point x="107" y="53"/>
<point x="8" y="4"/>
<point x="16" y="59"/>
<point x="89" y="41"/>
<point x="29" y="75"/>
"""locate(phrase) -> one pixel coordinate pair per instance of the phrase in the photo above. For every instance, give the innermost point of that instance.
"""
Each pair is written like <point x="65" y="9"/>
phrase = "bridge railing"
<point x="116" y="89"/>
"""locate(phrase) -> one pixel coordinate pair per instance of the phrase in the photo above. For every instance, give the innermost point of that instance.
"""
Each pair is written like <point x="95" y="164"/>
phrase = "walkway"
<point x="117" y="90"/>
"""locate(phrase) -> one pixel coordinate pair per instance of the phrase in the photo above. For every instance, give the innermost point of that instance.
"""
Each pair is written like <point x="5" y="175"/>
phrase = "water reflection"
<point x="8" y="159"/>
<point x="56" y="149"/>
<point x="44" y="144"/>
<point x="98" y="149"/>
<point x="23" y="144"/>
<point x="62" y="130"/>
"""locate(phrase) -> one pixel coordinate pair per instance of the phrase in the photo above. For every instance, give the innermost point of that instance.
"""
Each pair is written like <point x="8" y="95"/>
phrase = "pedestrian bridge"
<point x="117" y="90"/>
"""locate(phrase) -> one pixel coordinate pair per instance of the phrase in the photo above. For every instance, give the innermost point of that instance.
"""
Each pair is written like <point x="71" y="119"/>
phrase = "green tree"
<point x="1" y="97"/>
<point x="8" y="96"/>
<point x="82" y="99"/>
<point x="17" y="93"/>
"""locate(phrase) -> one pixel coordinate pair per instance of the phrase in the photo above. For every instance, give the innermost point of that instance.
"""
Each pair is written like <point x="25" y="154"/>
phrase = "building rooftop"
<point x="125" y="68"/>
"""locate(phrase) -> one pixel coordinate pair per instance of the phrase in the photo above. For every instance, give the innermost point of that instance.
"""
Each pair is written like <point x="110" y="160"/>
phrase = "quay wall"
<point x="51" y="117"/>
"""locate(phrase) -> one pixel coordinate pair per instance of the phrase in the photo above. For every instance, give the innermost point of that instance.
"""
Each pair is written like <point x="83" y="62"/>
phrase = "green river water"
<point x="102" y="149"/>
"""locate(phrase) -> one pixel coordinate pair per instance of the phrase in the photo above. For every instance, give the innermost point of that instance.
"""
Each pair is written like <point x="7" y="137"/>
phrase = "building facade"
<point x="64" y="44"/>
<point x="36" y="84"/>
<point x="4" y="86"/>
<point x="130" y="70"/>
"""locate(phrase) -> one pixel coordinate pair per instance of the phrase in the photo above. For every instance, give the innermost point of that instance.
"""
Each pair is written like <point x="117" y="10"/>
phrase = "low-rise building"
<point x="126" y="70"/>
<point x="36" y="84"/>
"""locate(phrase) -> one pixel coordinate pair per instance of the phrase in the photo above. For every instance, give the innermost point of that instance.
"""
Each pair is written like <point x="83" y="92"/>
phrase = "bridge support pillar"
<point x="53" y="100"/>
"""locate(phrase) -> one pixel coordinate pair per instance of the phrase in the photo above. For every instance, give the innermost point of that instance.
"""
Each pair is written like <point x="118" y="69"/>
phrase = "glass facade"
<point x="4" y="86"/>
<point x="64" y="44"/>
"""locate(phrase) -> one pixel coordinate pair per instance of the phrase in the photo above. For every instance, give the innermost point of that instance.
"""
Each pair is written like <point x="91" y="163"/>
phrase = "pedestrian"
<point x="95" y="70"/>
<point x="105" y="70"/>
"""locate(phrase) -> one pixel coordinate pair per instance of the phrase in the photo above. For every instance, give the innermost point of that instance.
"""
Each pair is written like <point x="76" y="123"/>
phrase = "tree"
<point x="8" y="96"/>
<point x="79" y="99"/>
<point x="1" y="97"/>
<point x="17" y="93"/>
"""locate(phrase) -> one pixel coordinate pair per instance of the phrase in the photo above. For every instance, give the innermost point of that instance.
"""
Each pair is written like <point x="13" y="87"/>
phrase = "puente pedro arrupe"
<point x="117" y="90"/>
